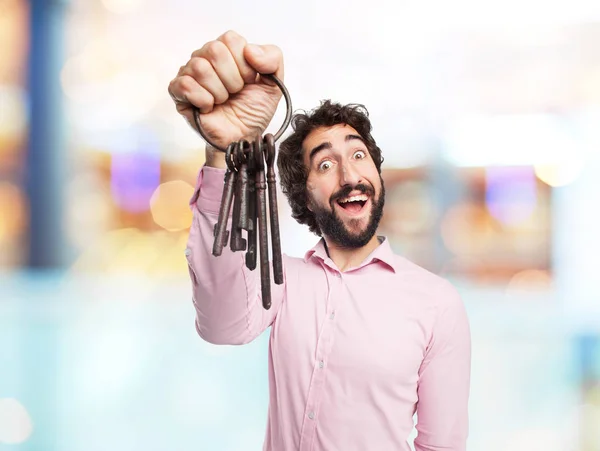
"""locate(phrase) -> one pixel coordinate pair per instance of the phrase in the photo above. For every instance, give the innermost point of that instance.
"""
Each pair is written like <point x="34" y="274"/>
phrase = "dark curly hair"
<point x="290" y="161"/>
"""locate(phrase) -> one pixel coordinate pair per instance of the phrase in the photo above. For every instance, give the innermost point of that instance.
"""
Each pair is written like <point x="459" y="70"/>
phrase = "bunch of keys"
<point x="250" y="174"/>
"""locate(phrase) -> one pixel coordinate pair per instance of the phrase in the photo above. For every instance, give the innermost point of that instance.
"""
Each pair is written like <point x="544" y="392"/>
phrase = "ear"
<point x="308" y="198"/>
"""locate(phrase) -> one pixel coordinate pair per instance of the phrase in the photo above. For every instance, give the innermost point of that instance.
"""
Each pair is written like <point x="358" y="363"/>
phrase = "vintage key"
<point x="256" y="222"/>
<point x="261" y="186"/>
<point x="237" y="243"/>
<point x="220" y="231"/>
<point x="242" y="159"/>
<point x="269" y="151"/>
<point x="251" y="219"/>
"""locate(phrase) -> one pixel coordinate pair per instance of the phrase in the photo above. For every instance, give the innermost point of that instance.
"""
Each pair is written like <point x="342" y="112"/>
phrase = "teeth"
<point x="362" y="197"/>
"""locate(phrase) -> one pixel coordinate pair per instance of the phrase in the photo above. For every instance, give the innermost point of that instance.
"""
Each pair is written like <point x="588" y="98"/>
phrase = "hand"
<point x="221" y="79"/>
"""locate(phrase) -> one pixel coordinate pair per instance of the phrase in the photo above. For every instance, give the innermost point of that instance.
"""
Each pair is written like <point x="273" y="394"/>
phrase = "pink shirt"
<point x="352" y="355"/>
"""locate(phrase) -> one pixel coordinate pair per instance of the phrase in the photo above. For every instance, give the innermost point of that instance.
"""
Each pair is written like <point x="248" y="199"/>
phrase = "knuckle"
<point x="237" y="85"/>
<point x="216" y="50"/>
<point x="248" y="75"/>
<point x="199" y="66"/>
<point x="231" y="38"/>
<point x="177" y="88"/>
<point x="275" y="51"/>
<point x="221" y="97"/>
<point x="184" y="84"/>
<point x="172" y="88"/>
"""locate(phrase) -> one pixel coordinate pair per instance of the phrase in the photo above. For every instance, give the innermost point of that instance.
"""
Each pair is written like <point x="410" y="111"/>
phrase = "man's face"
<point x="345" y="190"/>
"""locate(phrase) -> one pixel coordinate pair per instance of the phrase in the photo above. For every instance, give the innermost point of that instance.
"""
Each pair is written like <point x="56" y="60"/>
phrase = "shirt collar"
<point x="382" y="253"/>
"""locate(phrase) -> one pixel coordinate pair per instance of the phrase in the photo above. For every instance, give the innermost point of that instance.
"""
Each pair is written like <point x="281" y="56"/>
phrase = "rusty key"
<point x="220" y="231"/>
<point x="261" y="186"/>
<point x="237" y="243"/>
<point x="251" y="219"/>
<point x="242" y="158"/>
<point x="269" y="151"/>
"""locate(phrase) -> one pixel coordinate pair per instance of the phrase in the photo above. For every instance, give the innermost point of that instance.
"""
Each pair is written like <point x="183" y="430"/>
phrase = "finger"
<point x="202" y="71"/>
<point x="236" y="43"/>
<point x="186" y="91"/>
<point x="265" y="59"/>
<point x="222" y="61"/>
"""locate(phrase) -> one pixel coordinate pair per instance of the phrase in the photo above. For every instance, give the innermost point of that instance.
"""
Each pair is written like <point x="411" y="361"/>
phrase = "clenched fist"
<point x="222" y="80"/>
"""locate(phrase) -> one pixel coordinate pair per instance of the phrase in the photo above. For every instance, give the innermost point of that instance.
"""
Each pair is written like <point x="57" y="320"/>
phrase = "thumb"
<point x="265" y="59"/>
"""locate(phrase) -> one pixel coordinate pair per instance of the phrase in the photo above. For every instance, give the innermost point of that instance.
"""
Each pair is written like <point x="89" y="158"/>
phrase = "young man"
<point x="361" y="338"/>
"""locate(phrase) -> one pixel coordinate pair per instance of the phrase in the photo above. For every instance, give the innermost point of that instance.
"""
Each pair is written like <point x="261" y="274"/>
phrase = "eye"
<point x="325" y="165"/>
<point x="360" y="154"/>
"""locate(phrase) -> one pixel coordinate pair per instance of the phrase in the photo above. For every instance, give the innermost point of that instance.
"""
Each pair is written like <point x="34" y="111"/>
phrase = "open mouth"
<point x="353" y="204"/>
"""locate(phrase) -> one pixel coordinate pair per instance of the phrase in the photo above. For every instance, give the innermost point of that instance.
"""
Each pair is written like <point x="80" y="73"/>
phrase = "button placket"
<point x="324" y="344"/>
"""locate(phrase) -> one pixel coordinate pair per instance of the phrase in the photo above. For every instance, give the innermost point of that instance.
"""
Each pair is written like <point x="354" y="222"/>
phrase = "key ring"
<point x="286" y="122"/>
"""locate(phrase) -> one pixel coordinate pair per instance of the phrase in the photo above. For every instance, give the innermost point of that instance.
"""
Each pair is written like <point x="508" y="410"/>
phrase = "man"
<point x="361" y="339"/>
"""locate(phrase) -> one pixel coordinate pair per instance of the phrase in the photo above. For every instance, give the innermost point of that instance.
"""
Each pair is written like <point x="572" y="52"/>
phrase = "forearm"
<point x="226" y="294"/>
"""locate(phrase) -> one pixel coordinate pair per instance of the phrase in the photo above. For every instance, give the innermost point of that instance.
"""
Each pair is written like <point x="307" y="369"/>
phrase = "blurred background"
<point x="488" y="114"/>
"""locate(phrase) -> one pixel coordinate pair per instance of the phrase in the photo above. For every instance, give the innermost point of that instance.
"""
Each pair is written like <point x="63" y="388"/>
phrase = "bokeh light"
<point x="15" y="423"/>
<point x="134" y="177"/>
<point x="557" y="175"/>
<point x="466" y="229"/>
<point x="528" y="281"/>
<point x="12" y="211"/>
<point x="13" y="114"/>
<point x="510" y="193"/>
<point x="169" y="205"/>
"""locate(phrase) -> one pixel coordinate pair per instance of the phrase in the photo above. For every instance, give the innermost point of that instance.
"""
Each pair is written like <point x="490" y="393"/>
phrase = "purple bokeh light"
<point x="135" y="175"/>
<point x="511" y="194"/>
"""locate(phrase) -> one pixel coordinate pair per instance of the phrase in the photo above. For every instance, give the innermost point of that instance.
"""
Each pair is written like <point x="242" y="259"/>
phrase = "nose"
<point x="349" y="174"/>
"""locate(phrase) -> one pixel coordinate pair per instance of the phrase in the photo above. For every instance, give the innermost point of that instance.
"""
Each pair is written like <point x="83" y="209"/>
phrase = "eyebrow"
<point x="327" y="145"/>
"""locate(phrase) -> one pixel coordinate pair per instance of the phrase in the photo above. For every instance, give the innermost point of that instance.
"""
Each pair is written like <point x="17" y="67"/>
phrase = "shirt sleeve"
<point x="444" y="379"/>
<point x="226" y="295"/>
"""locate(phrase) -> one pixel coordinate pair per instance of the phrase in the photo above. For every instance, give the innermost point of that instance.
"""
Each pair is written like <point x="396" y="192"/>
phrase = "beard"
<point x="333" y="227"/>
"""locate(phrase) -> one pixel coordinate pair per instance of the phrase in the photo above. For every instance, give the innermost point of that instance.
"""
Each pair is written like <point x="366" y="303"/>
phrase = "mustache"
<point x="346" y="190"/>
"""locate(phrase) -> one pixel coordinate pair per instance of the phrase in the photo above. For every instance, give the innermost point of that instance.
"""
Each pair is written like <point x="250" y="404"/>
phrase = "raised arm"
<point x="444" y="379"/>
<point x="221" y="79"/>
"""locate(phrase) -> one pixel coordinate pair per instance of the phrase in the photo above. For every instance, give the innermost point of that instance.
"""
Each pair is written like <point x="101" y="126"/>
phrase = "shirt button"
<point x="311" y="415"/>
<point x="188" y="252"/>
<point x="321" y="364"/>
<point x="332" y="315"/>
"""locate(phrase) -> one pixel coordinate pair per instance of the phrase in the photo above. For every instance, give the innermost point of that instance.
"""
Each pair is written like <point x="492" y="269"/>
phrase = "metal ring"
<point x="241" y="152"/>
<point x="229" y="154"/>
<point x="286" y="121"/>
